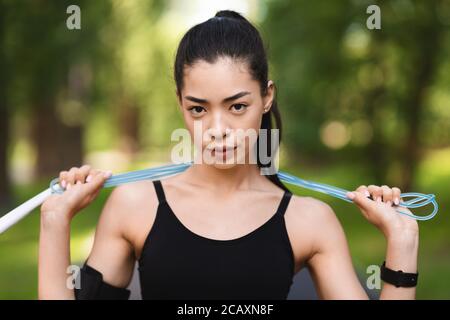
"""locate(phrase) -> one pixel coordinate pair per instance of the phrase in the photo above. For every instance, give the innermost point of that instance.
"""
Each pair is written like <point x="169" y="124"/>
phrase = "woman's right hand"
<point x="81" y="185"/>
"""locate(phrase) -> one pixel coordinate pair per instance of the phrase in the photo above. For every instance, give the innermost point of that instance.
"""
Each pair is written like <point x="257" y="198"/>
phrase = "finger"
<point x="96" y="183"/>
<point x="396" y="195"/>
<point x="80" y="174"/>
<point x="364" y="190"/>
<point x="62" y="178"/>
<point x="70" y="177"/>
<point x="361" y="201"/>
<point x="376" y="192"/>
<point x="387" y="194"/>
<point x="91" y="174"/>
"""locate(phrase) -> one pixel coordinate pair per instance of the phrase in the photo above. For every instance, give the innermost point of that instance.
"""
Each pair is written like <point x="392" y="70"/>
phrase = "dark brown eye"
<point x="239" y="107"/>
<point x="196" y="110"/>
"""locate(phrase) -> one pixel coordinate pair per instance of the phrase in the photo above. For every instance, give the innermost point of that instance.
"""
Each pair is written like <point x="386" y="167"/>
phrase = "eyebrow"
<point x="228" y="99"/>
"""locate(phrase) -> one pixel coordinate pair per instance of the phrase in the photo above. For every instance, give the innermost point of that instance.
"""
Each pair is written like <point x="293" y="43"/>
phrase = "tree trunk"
<point x="425" y="66"/>
<point x="59" y="147"/>
<point x="128" y="118"/>
<point x="5" y="183"/>
<point x="45" y="137"/>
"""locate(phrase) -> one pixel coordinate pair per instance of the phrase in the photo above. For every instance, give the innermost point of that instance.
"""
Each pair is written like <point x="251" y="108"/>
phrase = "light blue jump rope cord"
<point x="172" y="169"/>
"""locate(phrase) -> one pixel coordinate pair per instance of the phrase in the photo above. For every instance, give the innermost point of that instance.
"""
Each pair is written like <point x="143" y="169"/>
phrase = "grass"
<point x="19" y="245"/>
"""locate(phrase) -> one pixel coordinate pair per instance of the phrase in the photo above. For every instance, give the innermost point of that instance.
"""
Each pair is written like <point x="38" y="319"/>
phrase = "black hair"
<point x="229" y="34"/>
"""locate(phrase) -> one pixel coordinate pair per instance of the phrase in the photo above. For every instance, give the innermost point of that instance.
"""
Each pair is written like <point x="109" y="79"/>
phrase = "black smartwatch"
<point x="398" y="278"/>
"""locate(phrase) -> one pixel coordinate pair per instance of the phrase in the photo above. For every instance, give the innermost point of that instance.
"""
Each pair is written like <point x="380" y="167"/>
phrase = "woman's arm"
<point x="331" y="265"/>
<point x="401" y="255"/>
<point x="54" y="257"/>
<point x="111" y="253"/>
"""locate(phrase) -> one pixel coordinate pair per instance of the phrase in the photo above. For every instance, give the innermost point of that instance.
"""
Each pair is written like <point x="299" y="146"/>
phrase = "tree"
<point x="5" y="184"/>
<point x="330" y="67"/>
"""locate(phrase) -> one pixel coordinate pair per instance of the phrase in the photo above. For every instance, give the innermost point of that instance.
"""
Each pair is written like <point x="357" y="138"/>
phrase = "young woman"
<point x="217" y="231"/>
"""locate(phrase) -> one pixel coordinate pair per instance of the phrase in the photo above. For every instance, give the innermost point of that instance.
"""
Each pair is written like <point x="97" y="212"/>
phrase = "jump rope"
<point x="15" y="215"/>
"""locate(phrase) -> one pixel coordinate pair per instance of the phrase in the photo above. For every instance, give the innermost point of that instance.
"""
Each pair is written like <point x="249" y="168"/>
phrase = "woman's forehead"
<point x="222" y="76"/>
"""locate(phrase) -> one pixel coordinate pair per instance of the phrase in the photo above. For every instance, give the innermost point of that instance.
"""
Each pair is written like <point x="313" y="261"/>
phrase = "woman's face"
<point x="224" y="105"/>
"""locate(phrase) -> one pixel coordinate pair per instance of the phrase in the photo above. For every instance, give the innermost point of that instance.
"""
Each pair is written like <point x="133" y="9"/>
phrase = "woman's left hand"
<point x="381" y="211"/>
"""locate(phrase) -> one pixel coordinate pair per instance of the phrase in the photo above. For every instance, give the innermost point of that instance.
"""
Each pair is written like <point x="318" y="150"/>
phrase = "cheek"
<point x="190" y="126"/>
<point x="250" y="126"/>
<point x="253" y="119"/>
<point x="190" y="123"/>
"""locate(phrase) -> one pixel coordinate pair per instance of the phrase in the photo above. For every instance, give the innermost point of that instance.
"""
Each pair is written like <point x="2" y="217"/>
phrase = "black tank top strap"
<point x="284" y="203"/>
<point x="159" y="191"/>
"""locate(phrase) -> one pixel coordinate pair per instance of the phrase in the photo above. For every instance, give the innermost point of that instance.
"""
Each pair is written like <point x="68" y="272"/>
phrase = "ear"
<point x="268" y="98"/>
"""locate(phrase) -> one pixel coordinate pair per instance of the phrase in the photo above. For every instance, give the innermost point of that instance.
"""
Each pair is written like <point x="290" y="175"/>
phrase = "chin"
<point x="224" y="165"/>
<point x="221" y="162"/>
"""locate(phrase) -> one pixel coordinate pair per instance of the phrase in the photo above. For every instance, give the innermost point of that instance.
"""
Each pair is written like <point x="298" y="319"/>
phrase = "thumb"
<point x="361" y="200"/>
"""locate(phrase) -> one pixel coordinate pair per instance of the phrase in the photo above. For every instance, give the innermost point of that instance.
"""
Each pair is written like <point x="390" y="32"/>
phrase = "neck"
<point x="242" y="176"/>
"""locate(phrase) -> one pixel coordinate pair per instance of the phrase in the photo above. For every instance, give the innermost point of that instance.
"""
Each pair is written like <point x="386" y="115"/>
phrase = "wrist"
<point x="402" y="252"/>
<point x="58" y="219"/>
<point x="403" y="238"/>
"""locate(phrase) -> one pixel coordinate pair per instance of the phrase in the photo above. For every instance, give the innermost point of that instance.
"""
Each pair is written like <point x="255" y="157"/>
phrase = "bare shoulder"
<point x="311" y="211"/>
<point x="310" y="222"/>
<point x="131" y="207"/>
<point x="128" y="198"/>
<point x="129" y="193"/>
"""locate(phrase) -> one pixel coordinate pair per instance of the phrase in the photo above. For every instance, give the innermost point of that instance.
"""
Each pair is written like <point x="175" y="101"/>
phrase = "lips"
<point x="223" y="149"/>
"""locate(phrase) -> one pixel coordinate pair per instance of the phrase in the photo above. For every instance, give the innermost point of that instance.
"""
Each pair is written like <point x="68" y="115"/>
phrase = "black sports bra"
<point x="177" y="263"/>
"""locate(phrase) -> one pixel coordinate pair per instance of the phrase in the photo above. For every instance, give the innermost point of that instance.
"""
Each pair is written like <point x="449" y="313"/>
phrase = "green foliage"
<point x="359" y="106"/>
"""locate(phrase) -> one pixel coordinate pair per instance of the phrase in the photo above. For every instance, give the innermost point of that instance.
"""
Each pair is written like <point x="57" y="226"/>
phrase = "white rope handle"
<point x="14" y="216"/>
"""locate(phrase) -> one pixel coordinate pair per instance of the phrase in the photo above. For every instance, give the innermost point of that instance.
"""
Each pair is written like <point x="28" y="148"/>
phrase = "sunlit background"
<point x="359" y="107"/>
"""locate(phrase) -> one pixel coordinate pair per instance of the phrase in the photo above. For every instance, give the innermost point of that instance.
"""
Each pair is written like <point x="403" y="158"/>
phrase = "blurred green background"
<point x="359" y="107"/>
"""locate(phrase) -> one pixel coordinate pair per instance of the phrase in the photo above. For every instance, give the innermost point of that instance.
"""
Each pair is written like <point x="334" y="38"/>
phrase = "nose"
<point x="219" y="129"/>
